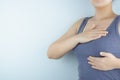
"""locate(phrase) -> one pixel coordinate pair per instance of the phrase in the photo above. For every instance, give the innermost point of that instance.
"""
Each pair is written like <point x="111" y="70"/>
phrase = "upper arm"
<point x="71" y="31"/>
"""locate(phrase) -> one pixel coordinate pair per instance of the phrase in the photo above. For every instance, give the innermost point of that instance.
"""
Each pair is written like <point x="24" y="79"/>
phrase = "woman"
<point x="95" y="41"/>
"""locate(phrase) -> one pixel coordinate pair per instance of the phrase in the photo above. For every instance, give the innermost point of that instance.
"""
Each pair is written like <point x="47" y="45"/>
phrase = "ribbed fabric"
<point x="109" y="43"/>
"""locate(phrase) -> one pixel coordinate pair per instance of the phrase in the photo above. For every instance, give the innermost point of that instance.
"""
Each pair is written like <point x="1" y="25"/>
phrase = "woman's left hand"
<point x="108" y="62"/>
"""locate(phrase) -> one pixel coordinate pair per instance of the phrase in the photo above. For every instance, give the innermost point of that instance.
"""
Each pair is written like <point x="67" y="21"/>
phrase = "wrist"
<point x="117" y="63"/>
<point x="79" y="38"/>
<point x="76" y="38"/>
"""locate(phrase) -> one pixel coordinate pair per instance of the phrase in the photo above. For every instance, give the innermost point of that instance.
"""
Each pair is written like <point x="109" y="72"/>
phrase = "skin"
<point x="94" y="29"/>
<point x="109" y="61"/>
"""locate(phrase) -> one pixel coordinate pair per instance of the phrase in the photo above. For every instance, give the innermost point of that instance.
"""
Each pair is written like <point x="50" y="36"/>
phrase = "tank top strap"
<point x="84" y="22"/>
<point x="118" y="20"/>
<point x="117" y="33"/>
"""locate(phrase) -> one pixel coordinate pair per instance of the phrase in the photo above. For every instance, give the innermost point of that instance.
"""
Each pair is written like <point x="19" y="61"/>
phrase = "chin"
<point x="100" y="3"/>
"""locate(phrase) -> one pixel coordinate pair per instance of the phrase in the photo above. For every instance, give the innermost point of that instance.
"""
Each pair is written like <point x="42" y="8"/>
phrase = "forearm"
<point x="60" y="48"/>
<point x="68" y="44"/>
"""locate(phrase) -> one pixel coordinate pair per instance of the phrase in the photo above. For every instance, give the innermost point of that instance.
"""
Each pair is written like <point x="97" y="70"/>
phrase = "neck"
<point x="104" y="12"/>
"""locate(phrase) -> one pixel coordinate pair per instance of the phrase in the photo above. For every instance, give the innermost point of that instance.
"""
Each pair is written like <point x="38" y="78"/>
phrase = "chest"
<point x="109" y="43"/>
<point x="99" y="24"/>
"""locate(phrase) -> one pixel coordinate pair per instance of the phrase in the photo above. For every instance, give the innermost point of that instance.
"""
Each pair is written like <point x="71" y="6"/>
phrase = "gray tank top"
<point x="109" y="43"/>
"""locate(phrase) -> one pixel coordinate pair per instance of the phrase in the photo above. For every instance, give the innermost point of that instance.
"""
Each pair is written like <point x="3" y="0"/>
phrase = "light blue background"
<point x="28" y="27"/>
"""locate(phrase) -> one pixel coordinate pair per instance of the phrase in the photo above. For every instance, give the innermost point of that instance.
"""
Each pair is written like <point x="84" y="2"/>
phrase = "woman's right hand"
<point x="91" y="34"/>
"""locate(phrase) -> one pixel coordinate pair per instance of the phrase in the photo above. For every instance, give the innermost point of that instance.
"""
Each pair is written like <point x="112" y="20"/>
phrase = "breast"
<point x="109" y="43"/>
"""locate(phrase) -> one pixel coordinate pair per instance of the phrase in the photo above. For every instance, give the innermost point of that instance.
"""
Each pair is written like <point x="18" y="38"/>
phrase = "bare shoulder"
<point x="71" y="31"/>
<point x="78" y="23"/>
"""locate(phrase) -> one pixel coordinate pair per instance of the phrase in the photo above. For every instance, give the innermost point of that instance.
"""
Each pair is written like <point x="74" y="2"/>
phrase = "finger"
<point x="91" y="63"/>
<point x="94" y="67"/>
<point x="105" y="54"/>
<point x="102" y="34"/>
<point x="98" y="35"/>
<point x="93" y="26"/>
<point x="100" y="31"/>
<point x="94" y="58"/>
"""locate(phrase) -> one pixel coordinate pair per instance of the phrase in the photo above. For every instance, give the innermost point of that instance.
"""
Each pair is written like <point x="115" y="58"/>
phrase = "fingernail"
<point x="107" y="32"/>
<point x="101" y="52"/>
<point x="88" y="58"/>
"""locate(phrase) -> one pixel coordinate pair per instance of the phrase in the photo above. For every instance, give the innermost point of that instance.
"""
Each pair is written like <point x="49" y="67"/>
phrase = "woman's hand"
<point x="108" y="62"/>
<point x="91" y="34"/>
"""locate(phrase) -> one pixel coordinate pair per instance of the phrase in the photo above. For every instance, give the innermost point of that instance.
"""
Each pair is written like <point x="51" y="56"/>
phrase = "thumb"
<point x="93" y="26"/>
<point x="105" y="54"/>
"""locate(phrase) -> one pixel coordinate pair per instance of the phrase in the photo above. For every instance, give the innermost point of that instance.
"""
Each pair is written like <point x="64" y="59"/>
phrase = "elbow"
<point x="54" y="52"/>
<point x="52" y="56"/>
